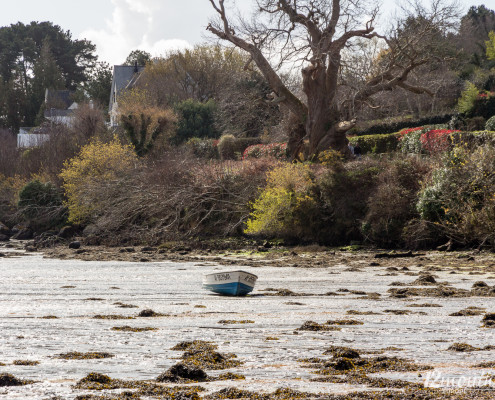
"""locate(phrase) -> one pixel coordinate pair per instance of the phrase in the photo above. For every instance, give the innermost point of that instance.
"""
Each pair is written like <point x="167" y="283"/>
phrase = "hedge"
<point x="397" y="125"/>
<point x="376" y="143"/>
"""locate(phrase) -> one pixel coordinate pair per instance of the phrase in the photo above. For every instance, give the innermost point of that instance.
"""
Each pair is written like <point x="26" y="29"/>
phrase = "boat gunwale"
<point x="229" y="272"/>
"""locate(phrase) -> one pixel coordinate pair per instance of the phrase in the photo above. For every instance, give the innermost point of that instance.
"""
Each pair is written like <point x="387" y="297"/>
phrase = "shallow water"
<point x="32" y="287"/>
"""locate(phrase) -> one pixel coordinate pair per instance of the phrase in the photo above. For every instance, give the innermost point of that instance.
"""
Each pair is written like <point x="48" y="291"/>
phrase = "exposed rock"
<point x="5" y="230"/>
<point x="67" y="232"/>
<point x="23" y="234"/>
<point x="75" y="245"/>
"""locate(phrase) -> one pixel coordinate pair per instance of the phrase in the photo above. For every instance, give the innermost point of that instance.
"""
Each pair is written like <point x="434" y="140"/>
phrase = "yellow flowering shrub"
<point x="285" y="205"/>
<point x="96" y="162"/>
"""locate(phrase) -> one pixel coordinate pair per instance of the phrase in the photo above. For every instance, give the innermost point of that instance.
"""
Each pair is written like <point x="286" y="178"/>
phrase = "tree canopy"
<point x="315" y="34"/>
<point x="34" y="57"/>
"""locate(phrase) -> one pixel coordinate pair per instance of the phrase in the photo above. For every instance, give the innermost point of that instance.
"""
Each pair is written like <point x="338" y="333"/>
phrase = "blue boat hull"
<point x="230" y="289"/>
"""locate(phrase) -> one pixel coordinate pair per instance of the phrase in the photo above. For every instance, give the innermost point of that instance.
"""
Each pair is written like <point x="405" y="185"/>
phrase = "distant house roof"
<point x="124" y="76"/>
<point x="60" y="99"/>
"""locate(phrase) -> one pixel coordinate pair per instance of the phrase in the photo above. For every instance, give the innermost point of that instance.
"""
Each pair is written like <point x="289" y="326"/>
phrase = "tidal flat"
<point x="326" y="324"/>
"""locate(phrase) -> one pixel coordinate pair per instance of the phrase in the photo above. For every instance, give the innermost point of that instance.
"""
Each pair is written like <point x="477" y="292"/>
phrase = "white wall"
<point x="31" y="139"/>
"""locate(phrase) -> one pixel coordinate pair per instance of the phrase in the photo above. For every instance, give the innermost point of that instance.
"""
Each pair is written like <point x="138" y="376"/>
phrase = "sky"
<point x="117" y="27"/>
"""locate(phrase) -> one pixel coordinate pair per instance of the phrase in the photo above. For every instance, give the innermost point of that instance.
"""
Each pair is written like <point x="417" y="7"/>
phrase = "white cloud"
<point x="151" y="25"/>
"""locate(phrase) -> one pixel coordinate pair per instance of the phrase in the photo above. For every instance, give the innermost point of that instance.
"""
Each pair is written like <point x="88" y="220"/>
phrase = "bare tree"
<point x="317" y="33"/>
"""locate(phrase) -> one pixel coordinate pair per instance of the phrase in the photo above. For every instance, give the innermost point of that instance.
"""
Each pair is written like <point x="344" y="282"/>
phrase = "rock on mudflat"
<point x="74" y="245"/>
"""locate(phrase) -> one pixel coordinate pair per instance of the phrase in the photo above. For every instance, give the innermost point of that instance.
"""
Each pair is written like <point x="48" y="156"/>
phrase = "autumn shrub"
<point x="288" y="204"/>
<point x="458" y="199"/>
<point x="145" y="126"/>
<point x="227" y="147"/>
<point x="10" y="186"/>
<point x="392" y="203"/>
<point x="177" y="197"/>
<point x="276" y="150"/>
<point x="42" y="205"/>
<point x="203" y="148"/>
<point x="344" y="194"/>
<point x="232" y="148"/>
<point x="427" y="139"/>
<point x="96" y="163"/>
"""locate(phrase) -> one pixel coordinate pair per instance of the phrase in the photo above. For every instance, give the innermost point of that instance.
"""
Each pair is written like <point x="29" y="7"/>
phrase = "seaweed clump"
<point x="233" y="321"/>
<point x="11" y="380"/>
<point x="75" y="355"/>
<point x="203" y="354"/>
<point x="183" y="373"/>
<point x="344" y="322"/>
<point x="25" y="362"/>
<point x="316" y="327"/>
<point x="111" y="316"/>
<point x="128" y="328"/>
<point x="463" y="347"/>
<point x="98" y="381"/>
<point x="467" y="312"/>
<point x="279" y="394"/>
<point x="488" y="320"/>
<point x="150" y="313"/>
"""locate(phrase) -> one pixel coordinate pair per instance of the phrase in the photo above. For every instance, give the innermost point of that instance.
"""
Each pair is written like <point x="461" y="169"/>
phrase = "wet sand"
<point x="400" y="315"/>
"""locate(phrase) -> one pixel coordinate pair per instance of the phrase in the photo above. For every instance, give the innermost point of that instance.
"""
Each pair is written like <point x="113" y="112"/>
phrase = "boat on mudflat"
<point x="230" y="283"/>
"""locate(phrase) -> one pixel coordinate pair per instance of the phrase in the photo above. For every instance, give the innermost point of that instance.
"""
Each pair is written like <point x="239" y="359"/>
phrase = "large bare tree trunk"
<point x="320" y="30"/>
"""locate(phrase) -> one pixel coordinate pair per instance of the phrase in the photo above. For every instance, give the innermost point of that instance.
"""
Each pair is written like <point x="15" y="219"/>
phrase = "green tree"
<point x="196" y="119"/>
<point x="23" y="54"/>
<point x="99" y="83"/>
<point x="140" y="57"/>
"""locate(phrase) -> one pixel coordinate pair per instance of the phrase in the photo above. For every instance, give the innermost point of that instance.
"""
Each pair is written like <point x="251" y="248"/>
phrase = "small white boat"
<point x="230" y="283"/>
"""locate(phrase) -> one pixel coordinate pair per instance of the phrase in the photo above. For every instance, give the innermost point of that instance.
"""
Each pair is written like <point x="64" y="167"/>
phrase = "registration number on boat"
<point x="222" y="277"/>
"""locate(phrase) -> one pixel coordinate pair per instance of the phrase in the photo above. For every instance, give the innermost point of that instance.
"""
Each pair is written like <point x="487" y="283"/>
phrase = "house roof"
<point x="124" y="76"/>
<point x="60" y="99"/>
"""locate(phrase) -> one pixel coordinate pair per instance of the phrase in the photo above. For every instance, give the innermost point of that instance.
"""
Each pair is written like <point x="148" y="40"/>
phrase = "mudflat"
<point x="122" y="323"/>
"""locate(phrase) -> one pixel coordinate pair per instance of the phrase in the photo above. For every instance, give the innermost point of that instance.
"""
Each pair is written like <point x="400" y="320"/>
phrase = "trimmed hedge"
<point x="395" y="126"/>
<point x="376" y="144"/>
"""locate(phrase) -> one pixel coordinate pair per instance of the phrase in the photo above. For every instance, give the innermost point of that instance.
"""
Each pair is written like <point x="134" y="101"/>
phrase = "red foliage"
<point x="277" y="150"/>
<point x="436" y="140"/>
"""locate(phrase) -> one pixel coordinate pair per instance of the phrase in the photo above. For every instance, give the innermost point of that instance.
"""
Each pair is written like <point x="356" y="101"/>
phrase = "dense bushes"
<point x="287" y="205"/>
<point x="175" y="198"/>
<point x="232" y="148"/>
<point x="41" y="204"/>
<point x="97" y="163"/>
<point x="376" y="144"/>
<point x="277" y="150"/>
<point x="459" y="198"/>
<point x="369" y="200"/>
<point x="196" y="119"/>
